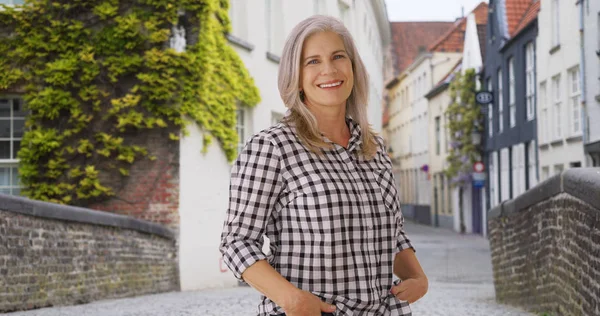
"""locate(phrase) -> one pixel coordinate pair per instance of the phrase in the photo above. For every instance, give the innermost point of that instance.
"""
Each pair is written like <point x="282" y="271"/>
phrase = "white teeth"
<point x="330" y="85"/>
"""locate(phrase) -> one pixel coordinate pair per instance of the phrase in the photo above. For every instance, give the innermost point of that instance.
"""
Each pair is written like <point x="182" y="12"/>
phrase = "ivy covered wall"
<point x="464" y="119"/>
<point x="97" y="74"/>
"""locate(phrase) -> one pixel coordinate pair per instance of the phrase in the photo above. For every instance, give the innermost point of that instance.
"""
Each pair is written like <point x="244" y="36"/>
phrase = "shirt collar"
<point x="355" y="132"/>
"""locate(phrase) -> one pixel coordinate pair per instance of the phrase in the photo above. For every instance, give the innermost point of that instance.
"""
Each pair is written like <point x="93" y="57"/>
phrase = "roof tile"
<point x="530" y="15"/>
<point x="453" y="40"/>
<point x="411" y="38"/>
<point x="515" y="9"/>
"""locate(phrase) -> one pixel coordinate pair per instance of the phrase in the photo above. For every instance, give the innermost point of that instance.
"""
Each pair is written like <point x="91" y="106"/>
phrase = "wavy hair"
<point x="289" y="83"/>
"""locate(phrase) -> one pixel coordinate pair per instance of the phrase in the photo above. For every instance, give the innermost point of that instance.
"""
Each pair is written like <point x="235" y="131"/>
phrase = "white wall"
<point x="567" y="147"/>
<point x="472" y="51"/>
<point x="203" y="199"/>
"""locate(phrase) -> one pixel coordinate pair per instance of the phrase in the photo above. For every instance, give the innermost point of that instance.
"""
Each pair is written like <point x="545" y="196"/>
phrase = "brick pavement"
<point x="458" y="267"/>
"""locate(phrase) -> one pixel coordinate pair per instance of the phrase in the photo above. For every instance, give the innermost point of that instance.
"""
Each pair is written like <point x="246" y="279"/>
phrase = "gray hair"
<point x="289" y="83"/>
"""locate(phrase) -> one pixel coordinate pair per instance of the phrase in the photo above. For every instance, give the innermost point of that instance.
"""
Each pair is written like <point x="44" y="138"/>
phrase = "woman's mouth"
<point x="331" y="85"/>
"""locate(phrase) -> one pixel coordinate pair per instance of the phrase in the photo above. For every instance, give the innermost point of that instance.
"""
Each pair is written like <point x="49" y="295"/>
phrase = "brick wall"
<point x="546" y="246"/>
<point x="59" y="255"/>
<point x="151" y="191"/>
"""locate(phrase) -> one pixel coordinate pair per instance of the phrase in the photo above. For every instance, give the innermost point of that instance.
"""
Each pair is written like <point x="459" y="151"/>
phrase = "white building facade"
<point x="560" y="112"/>
<point x="259" y="31"/>
<point x="590" y="17"/>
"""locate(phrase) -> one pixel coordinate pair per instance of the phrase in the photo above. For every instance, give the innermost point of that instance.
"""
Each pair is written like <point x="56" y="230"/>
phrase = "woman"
<point x="319" y="185"/>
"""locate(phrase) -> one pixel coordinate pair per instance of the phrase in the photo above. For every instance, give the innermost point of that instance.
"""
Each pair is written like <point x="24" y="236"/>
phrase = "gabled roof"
<point x="443" y="84"/>
<point x="453" y="40"/>
<point x="411" y="38"/>
<point x="529" y="16"/>
<point x="515" y="10"/>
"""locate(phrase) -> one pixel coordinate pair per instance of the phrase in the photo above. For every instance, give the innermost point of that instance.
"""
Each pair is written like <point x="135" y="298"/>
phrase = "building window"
<point x="493" y="164"/>
<point x="574" y="100"/>
<point x="576" y="164"/>
<point x="345" y="14"/>
<point x="241" y="127"/>
<point x="557" y="107"/>
<point x="504" y="174"/>
<point x="319" y="5"/>
<point x="555" y="23"/>
<point x="530" y="80"/>
<point x="276" y="118"/>
<point x="275" y="26"/>
<point x="238" y="14"/>
<point x="558" y="169"/>
<point x="437" y="135"/>
<point x="511" y="92"/>
<point x="518" y="170"/>
<point x="545" y="173"/>
<point x="12" y="2"/>
<point x="544" y="122"/>
<point x="435" y="197"/>
<point x="12" y="123"/>
<point x="532" y="163"/>
<point x="490" y="111"/>
<point x="500" y="103"/>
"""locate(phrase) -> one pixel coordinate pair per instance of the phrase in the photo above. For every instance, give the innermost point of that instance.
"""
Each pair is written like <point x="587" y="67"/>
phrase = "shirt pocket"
<point x="307" y="209"/>
<point x="384" y="180"/>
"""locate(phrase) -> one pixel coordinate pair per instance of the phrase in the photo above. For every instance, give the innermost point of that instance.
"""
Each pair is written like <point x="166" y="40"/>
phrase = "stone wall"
<point x="60" y="255"/>
<point x="546" y="246"/>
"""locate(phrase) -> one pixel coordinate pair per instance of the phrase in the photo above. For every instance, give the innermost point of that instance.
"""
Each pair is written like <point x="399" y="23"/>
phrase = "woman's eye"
<point x="338" y="56"/>
<point x="314" y="61"/>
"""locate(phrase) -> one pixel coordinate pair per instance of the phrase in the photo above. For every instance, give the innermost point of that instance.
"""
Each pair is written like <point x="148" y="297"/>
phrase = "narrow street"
<point x="458" y="267"/>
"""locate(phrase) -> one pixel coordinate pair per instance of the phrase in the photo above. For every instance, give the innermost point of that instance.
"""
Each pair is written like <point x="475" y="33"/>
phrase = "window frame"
<point x="557" y="107"/>
<point x="512" y="103"/>
<point x="575" y="100"/>
<point x="12" y="163"/>
<point x="530" y="80"/>
<point x="544" y="122"/>
<point x="500" y="102"/>
<point x="490" y="110"/>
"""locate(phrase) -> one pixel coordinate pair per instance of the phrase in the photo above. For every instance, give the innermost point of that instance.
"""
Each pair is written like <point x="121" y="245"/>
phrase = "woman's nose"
<point x="328" y="68"/>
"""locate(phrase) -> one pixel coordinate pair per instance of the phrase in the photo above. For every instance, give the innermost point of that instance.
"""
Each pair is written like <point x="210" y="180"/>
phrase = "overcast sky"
<point x="428" y="10"/>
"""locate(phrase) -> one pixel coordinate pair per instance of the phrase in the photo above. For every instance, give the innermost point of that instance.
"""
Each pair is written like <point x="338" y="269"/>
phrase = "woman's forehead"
<point x="323" y="42"/>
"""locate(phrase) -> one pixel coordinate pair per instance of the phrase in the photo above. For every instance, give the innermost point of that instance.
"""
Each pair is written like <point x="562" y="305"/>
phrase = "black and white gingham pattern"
<point x="334" y="222"/>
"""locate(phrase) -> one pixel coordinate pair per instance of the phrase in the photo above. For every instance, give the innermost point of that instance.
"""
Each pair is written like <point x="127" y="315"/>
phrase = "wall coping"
<point x="581" y="183"/>
<point x="21" y="205"/>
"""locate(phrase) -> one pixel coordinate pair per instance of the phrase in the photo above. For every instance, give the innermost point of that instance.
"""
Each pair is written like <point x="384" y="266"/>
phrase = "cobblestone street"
<point x="458" y="267"/>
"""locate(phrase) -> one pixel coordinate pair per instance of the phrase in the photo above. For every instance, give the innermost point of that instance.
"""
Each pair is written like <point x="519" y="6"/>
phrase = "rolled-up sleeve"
<point x="402" y="240"/>
<point x="253" y="191"/>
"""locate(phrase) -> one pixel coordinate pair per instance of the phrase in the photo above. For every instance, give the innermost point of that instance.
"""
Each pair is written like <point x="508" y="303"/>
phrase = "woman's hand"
<point x="411" y="290"/>
<point x="304" y="303"/>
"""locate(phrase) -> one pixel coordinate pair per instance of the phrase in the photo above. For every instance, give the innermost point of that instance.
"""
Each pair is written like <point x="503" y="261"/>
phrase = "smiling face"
<point x="326" y="75"/>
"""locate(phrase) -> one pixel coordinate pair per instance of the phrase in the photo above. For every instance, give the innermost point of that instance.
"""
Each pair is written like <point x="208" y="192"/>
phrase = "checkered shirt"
<point x="334" y="222"/>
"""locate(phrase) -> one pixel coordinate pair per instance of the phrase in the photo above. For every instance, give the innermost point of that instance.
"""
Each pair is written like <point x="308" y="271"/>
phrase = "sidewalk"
<point x="458" y="267"/>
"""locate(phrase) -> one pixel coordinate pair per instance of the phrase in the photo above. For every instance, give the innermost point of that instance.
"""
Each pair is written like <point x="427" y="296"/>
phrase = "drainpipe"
<point x="584" y="125"/>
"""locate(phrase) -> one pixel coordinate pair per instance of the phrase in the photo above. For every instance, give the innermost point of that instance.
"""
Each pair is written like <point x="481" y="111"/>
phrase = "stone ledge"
<point x="239" y="42"/>
<point x="41" y="209"/>
<point x="582" y="183"/>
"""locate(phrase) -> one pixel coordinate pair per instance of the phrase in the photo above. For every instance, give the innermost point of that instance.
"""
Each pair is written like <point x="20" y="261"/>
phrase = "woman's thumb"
<point x="327" y="307"/>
